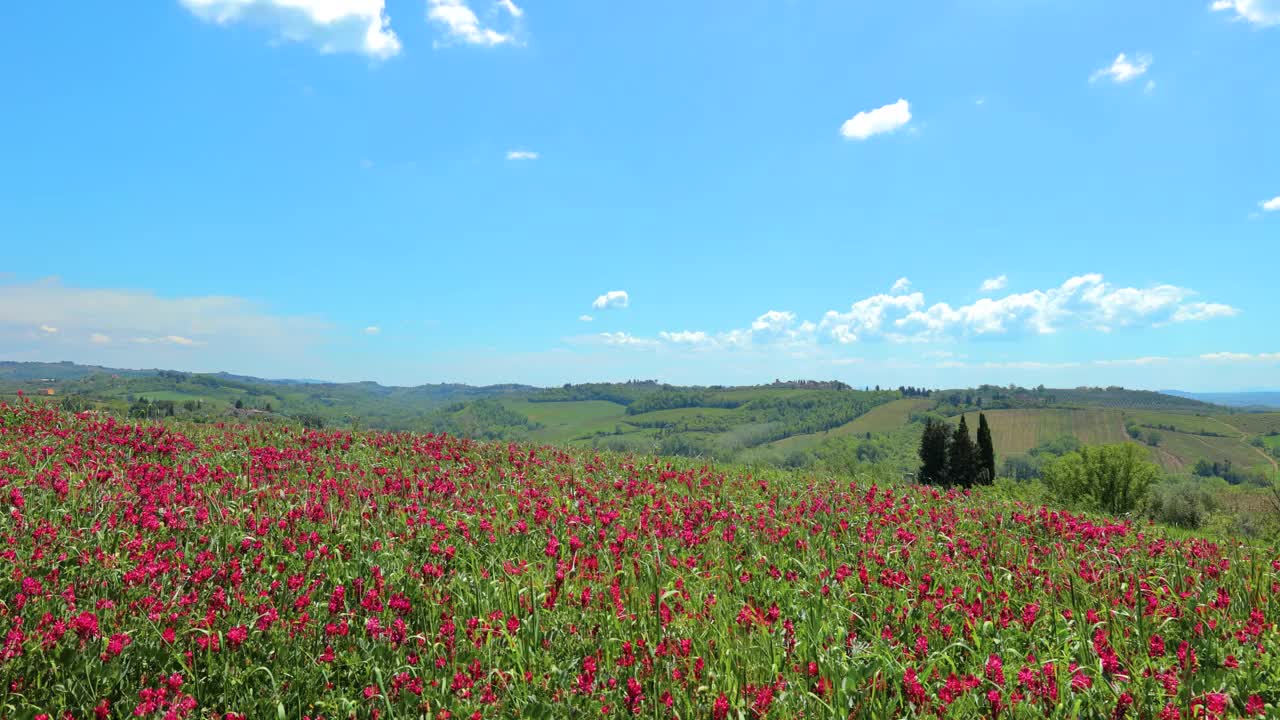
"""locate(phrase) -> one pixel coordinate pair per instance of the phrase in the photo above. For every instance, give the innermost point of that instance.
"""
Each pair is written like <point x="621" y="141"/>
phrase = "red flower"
<point x="86" y="625"/>
<point x="237" y="635"/>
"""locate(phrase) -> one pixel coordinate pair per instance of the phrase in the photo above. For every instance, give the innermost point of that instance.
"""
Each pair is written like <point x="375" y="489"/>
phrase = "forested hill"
<point x="796" y="422"/>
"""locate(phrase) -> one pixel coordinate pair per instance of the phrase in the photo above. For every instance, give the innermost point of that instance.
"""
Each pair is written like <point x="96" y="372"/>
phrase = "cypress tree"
<point x="961" y="468"/>
<point x="933" y="453"/>
<point x="986" y="450"/>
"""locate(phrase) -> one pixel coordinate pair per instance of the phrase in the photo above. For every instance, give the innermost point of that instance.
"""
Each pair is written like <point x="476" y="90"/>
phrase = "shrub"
<point x="1109" y="478"/>
<point x="1183" y="503"/>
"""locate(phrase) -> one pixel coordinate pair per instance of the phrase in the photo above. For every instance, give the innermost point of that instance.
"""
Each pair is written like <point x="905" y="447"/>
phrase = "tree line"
<point x="951" y="458"/>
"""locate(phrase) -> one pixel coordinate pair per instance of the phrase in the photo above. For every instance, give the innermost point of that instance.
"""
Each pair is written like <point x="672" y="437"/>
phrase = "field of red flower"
<point x="255" y="572"/>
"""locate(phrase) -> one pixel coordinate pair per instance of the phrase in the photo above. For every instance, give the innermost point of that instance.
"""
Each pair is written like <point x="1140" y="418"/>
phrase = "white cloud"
<point x="1139" y="361"/>
<point x="874" y="122"/>
<point x="331" y="25"/>
<point x="995" y="283"/>
<point x="511" y="8"/>
<point x="1122" y="70"/>
<point x="521" y="155"/>
<point x="869" y="316"/>
<point x="1240" y="357"/>
<point x="90" y="315"/>
<point x="461" y="23"/>
<point x="1258" y="12"/>
<point x="48" y="330"/>
<point x="1086" y="301"/>
<point x="626" y="340"/>
<point x="1271" y="205"/>
<point x="773" y="321"/>
<point x="1030" y="365"/>
<point x="687" y="337"/>
<point x="612" y="299"/>
<point x="167" y="340"/>
<point x="372" y="330"/>
<point x="585" y="318"/>
<point x="1203" y="311"/>
<point x="900" y="285"/>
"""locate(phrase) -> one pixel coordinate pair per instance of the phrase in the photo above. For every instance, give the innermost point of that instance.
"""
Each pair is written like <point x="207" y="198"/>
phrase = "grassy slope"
<point x="1188" y="448"/>
<point x="1181" y="422"/>
<point x="1100" y="420"/>
<point x="679" y="414"/>
<point x="1253" y="423"/>
<point x="1017" y="431"/>
<point x="882" y="419"/>
<point x="564" y="421"/>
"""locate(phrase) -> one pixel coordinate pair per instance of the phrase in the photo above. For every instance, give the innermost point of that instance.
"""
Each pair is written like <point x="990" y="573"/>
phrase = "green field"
<point x="563" y="421"/>
<point x="1018" y="431"/>
<point x="882" y="419"/>
<point x="678" y="415"/>
<point x="1180" y="451"/>
<point x="792" y="423"/>
<point x="182" y="396"/>
<point x="1253" y="423"/>
<point x="1181" y="422"/>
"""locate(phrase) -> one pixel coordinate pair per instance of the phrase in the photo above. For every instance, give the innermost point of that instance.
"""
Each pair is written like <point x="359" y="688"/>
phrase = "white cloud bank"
<point x="687" y="337"/>
<point x="461" y="23"/>
<point x="1272" y="205"/>
<point x="900" y="285"/>
<point x="1241" y="357"/>
<point x="1124" y="69"/>
<point x="875" y="122"/>
<point x="332" y="26"/>
<point x="522" y="155"/>
<point x="612" y="299"/>
<point x="994" y="284"/>
<point x="50" y="312"/>
<point x="626" y="340"/>
<point x="1258" y="12"/>
<point x="1085" y="302"/>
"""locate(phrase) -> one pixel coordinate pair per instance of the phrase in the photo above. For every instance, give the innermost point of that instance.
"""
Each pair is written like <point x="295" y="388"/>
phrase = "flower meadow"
<point x="156" y="571"/>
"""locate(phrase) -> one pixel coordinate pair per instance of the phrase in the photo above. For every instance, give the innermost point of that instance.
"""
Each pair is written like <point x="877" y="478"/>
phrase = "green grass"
<point x="183" y="397"/>
<point x="562" y="421"/>
<point x="881" y="419"/>
<point x="1253" y="423"/>
<point x="1017" y="431"/>
<point x="1187" y="449"/>
<point x="1181" y="422"/>
<point x="748" y="394"/>
<point x="679" y="414"/>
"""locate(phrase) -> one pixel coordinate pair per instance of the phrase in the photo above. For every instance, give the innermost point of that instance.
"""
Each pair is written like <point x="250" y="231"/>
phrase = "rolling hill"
<point x="785" y="422"/>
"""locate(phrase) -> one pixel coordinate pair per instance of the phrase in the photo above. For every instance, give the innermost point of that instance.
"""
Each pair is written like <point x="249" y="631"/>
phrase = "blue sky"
<point x="418" y="191"/>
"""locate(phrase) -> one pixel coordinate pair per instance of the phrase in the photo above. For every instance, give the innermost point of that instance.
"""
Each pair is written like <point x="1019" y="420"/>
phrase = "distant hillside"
<point x="794" y="423"/>
<point x="1261" y="399"/>
<point x="23" y="372"/>
<point x="221" y="396"/>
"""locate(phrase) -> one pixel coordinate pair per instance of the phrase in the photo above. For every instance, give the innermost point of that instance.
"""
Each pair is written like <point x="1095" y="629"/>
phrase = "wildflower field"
<point x="269" y="572"/>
